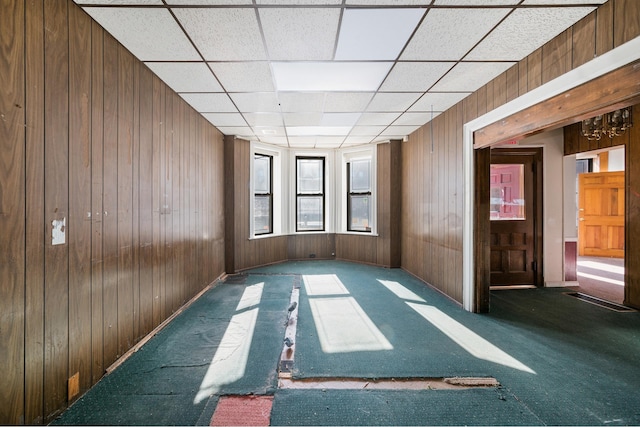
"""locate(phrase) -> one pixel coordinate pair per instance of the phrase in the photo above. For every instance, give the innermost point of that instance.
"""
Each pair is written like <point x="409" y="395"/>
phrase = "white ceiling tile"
<point x="123" y="2"/>
<point x="209" y="2"/>
<point x="302" y="142"/>
<point x="470" y="76"/>
<point x="318" y="130"/>
<point x="476" y="2"/>
<point x="263" y="119"/>
<point x="345" y="102"/>
<point x="385" y="119"/>
<point x="209" y="102"/>
<point x="356" y="140"/>
<point x="329" y="76"/>
<point x="328" y="142"/>
<point x="526" y="30"/>
<point x="296" y="34"/>
<point x="561" y="2"/>
<point x="399" y="131"/>
<point x="414" y="76"/>
<point x="439" y="101"/>
<point x="242" y="131"/>
<point x="223" y="34"/>
<point x="375" y="34"/>
<point x="244" y="76"/>
<point x="269" y="131"/>
<point x="366" y="130"/>
<point x="389" y="101"/>
<point x="256" y="102"/>
<point x="339" y="119"/>
<point x="299" y="2"/>
<point x="301" y="101"/>
<point x="438" y="39"/>
<point x="387" y="2"/>
<point x="225" y="119"/>
<point x="414" y="119"/>
<point x="302" y="119"/>
<point x="186" y="76"/>
<point x="150" y="34"/>
<point x="275" y="140"/>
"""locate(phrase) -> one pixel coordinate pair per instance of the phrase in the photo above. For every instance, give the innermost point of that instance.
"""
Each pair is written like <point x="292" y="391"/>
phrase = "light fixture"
<point x="610" y="124"/>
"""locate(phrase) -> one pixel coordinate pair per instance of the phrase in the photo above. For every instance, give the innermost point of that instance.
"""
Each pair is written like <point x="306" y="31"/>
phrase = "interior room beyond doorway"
<point x="599" y="225"/>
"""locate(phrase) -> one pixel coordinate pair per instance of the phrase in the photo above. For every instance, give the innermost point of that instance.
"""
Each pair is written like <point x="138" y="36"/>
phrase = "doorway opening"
<point x="515" y="214"/>
<point x="596" y="261"/>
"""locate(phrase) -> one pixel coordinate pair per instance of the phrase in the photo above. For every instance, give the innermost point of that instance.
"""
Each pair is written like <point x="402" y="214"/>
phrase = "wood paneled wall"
<point x="383" y="249"/>
<point x="90" y="136"/>
<point x="432" y="186"/>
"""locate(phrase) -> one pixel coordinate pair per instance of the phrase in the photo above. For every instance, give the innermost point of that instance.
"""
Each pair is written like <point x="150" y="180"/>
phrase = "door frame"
<point x="538" y="200"/>
<point x="475" y="283"/>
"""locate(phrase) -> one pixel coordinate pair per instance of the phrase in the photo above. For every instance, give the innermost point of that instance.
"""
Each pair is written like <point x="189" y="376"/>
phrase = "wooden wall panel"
<point x="303" y="246"/>
<point x="604" y="28"/>
<point x="12" y="210"/>
<point x="632" y="223"/>
<point x="584" y="40"/>
<point x="56" y="107"/>
<point x="80" y="198"/>
<point x="94" y="153"/>
<point x="124" y="200"/>
<point x="110" y="202"/>
<point x="534" y="69"/>
<point x="35" y="235"/>
<point x="145" y="204"/>
<point x="626" y="18"/>
<point x="97" y="211"/>
<point x="557" y="56"/>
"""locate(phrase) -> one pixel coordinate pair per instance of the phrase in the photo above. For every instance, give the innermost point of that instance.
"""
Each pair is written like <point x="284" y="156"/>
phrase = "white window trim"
<point x="278" y="185"/>
<point x="347" y="155"/>
<point x="329" y="192"/>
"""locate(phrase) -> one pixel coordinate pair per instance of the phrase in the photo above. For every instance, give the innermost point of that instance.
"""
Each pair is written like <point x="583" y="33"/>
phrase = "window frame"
<point x="269" y="193"/>
<point x="279" y="189"/>
<point x="348" y="155"/>
<point x="351" y="194"/>
<point x="322" y="194"/>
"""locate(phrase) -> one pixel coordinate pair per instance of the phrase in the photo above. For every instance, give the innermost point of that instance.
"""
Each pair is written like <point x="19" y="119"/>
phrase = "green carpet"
<point x="157" y="385"/>
<point x="402" y="408"/>
<point x="585" y="359"/>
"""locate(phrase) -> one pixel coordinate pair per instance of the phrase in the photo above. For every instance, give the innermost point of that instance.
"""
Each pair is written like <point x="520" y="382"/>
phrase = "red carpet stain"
<point x="243" y="411"/>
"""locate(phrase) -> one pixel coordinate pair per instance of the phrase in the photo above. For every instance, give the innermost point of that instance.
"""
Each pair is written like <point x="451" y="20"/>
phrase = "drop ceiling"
<point x="330" y="73"/>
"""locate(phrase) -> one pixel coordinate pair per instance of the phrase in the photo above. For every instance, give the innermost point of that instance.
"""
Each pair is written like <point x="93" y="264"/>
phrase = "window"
<point x="310" y="193"/>
<point x="359" y="200"/>
<point x="262" y="194"/>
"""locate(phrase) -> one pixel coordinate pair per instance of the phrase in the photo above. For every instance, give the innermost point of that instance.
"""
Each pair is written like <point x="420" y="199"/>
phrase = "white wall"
<point x="553" y="203"/>
<point x="616" y="159"/>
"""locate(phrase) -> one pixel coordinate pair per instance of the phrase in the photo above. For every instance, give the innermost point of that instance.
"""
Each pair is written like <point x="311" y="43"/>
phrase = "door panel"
<point x="513" y="219"/>
<point x="601" y="219"/>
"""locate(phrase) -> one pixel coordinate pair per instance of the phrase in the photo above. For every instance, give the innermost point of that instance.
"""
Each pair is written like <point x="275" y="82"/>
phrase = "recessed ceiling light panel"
<point x="329" y="76"/>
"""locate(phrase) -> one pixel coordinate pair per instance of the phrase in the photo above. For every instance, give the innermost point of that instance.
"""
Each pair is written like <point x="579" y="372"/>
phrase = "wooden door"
<point x="601" y="214"/>
<point x="513" y="215"/>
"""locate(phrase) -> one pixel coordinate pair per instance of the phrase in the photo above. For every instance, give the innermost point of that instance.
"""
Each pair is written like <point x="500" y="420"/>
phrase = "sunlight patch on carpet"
<point x="343" y="326"/>
<point x="400" y="290"/>
<point x="467" y="339"/>
<point x="323" y="284"/>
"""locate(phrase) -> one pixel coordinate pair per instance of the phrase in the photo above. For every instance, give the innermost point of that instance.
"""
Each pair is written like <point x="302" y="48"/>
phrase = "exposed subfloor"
<point x="337" y="343"/>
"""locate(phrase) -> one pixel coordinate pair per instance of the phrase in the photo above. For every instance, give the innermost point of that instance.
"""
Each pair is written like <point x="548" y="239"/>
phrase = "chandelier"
<point x="610" y="124"/>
